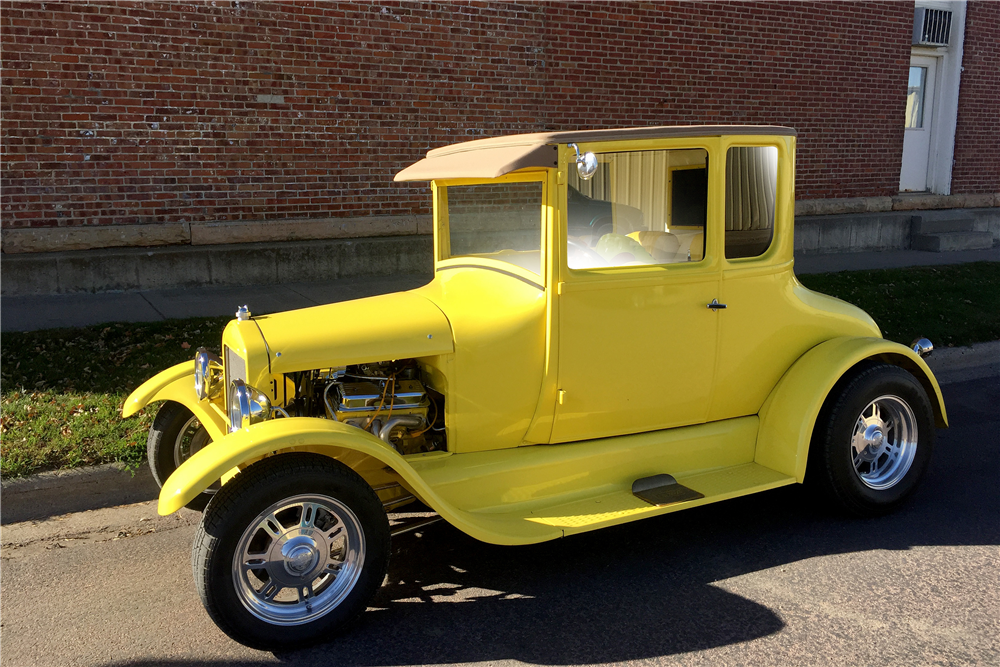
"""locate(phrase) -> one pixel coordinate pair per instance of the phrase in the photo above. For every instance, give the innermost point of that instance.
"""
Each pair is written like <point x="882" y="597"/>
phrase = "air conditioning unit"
<point x="931" y="27"/>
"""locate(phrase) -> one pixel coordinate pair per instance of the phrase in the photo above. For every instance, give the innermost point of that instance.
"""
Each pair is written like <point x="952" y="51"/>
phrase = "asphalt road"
<point x="770" y="579"/>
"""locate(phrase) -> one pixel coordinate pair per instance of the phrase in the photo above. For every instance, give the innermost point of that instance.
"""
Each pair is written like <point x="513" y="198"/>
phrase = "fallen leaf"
<point x="186" y="345"/>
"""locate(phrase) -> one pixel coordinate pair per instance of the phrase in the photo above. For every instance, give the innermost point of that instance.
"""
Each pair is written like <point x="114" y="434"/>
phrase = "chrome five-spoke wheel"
<point x="298" y="559"/>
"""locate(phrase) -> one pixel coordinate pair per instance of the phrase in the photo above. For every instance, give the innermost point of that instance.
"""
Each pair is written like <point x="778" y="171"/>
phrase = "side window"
<point x="641" y="207"/>
<point x="751" y="185"/>
<point x="499" y="221"/>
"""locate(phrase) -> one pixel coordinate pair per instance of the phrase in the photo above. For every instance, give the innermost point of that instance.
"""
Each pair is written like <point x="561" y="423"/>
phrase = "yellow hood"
<point x="391" y="326"/>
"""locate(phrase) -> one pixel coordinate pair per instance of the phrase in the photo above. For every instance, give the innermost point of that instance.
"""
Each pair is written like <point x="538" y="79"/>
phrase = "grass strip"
<point x="61" y="390"/>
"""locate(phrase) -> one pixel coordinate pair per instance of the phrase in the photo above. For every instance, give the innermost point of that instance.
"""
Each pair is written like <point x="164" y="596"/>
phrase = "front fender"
<point x="177" y="384"/>
<point x="316" y="435"/>
<point x="789" y="414"/>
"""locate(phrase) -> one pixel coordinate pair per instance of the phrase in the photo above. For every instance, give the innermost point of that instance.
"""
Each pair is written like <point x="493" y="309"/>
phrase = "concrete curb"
<point x="60" y="492"/>
<point x="57" y="492"/>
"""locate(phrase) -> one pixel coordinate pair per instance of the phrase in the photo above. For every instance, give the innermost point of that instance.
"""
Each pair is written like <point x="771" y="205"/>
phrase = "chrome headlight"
<point x="207" y="367"/>
<point x="246" y="406"/>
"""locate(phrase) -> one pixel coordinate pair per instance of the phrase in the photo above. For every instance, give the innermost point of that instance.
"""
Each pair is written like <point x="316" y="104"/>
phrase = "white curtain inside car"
<point x="640" y="181"/>
<point x="751" y="184"/>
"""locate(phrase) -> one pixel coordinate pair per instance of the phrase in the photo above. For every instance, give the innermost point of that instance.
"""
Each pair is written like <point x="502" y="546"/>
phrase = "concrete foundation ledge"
<point x="926" y="202"/>
<point x="129" y="269"/>
<point x="54" y="239"/>
<point x="882" y="230"/>
<point x="60" y="239"/>
<point x="902" y="202"/>
<point x="842" y="206"/>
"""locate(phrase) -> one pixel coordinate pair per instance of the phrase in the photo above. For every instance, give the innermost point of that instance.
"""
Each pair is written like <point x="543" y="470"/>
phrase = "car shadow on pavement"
<point x="650" y="588"/>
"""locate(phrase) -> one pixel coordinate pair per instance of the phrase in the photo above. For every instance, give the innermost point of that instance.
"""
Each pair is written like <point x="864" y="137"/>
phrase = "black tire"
<point x="873" y="440"/>
<point x="165" y="451"/>
<point x="264" y="500"/>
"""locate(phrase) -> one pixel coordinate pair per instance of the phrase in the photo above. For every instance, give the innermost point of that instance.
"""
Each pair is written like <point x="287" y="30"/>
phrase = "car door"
<point x="637" y="338"/>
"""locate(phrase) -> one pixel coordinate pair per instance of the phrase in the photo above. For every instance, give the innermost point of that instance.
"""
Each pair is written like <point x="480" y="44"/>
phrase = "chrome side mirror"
<point x="586" y="164"/>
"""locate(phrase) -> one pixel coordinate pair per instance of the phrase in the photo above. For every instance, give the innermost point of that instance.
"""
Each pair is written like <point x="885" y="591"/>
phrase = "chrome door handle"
<point x="715" y="305"/>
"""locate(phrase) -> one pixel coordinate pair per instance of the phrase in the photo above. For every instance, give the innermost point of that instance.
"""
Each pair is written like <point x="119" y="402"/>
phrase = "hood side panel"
<point x="378" y="328"/>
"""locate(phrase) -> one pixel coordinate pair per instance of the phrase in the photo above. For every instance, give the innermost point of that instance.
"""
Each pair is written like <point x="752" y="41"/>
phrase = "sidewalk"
<point x="28" y="313"/>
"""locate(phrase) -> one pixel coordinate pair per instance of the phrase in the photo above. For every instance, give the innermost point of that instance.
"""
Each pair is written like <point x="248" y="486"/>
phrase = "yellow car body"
<point x="560" y="387"/>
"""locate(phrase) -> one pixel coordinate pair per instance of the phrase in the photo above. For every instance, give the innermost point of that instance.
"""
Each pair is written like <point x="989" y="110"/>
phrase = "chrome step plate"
<point x="663" y="490"/>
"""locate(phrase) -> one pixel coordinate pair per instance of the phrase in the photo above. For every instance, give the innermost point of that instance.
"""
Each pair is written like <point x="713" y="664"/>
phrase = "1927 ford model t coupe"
<point x="614" y="331"/>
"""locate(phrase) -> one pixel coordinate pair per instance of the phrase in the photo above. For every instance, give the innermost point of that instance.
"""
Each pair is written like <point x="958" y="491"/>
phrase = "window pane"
<point x="915" y="97"/>
<point x="641" y="207"/>
<point x="751" y="186"/>
<point x="501" y="221"/>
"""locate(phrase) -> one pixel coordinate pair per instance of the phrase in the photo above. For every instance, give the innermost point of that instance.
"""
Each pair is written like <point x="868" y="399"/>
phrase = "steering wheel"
<point x="577" y="251"/>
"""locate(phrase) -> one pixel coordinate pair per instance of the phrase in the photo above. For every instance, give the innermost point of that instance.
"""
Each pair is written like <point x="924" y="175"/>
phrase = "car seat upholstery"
<point x="619" y="250"/>
<point x="663" y="246"/>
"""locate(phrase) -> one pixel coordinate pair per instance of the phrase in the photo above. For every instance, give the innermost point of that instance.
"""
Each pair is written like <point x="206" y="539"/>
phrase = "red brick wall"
<point x="977" y="138"/>
<point x="133" y="112"/>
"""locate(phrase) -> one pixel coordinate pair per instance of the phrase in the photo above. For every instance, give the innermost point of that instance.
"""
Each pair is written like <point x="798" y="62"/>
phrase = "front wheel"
<point x="873" y="440"/>
<point x="290" y="551"/>
<point x="175" y="436"/>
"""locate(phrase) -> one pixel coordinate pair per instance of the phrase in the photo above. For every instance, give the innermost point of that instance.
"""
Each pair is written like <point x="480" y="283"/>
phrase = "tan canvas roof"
<point x="496" y="156"/>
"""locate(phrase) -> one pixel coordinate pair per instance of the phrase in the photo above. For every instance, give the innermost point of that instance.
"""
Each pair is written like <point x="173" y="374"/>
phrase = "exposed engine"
<point x="386" y="399"/>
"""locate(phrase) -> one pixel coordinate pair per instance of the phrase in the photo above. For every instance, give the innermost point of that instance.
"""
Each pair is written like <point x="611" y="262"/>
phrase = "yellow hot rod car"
<point x="613" y="331"/>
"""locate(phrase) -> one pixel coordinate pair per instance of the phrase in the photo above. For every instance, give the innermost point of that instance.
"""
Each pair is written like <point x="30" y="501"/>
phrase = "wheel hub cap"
<point x="300" y="555"/>
<point x="874" y="437"/>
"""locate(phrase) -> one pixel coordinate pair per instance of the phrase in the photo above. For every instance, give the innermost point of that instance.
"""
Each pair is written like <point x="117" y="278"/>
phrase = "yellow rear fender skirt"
<point x="789" y="414"/>
<point x="338" y="441"/>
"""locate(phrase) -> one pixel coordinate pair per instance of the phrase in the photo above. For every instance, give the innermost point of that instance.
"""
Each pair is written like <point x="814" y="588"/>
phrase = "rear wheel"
<point x="873" y="440"/>
<point x="175" y="436"/>
<point x="290" y="551"/>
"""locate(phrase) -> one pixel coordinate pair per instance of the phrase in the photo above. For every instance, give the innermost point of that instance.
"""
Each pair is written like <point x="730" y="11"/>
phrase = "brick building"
<point x="135" y="124"/>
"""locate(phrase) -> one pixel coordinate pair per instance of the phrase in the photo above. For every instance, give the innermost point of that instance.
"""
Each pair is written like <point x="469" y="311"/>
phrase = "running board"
<point x="661" y="490"/>
<point x="616" y="507"/>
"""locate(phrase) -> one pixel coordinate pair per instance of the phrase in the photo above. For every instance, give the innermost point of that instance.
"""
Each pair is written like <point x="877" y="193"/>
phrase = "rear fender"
<point x="789" y="414"/>
<point x="177" y="384"/>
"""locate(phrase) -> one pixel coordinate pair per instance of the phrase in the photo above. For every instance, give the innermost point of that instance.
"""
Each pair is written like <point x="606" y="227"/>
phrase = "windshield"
<point x="500" y="221"/>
